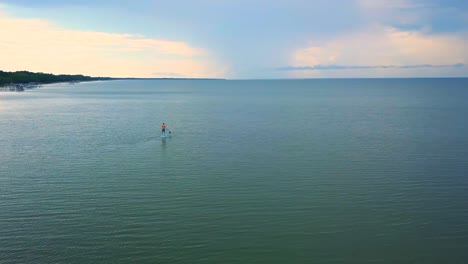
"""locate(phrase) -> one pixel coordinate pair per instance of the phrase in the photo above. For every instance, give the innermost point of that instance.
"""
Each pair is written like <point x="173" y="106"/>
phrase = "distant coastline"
<point x="20" y="80"/>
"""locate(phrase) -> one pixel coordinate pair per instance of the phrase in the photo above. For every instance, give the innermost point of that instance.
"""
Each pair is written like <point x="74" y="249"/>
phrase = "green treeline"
<point x="39" y="77"/>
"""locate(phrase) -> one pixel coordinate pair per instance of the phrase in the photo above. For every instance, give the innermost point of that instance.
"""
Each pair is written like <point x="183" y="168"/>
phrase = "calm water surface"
<point x="298" y="171"/>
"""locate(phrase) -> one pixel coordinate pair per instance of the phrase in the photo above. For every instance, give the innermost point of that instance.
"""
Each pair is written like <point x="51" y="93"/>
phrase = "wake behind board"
<point x="166" y="135"/>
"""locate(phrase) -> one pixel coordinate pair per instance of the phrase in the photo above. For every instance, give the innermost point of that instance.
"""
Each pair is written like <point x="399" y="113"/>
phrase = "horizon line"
<point x="242" y="79"/>
<point x="265" y="79"/>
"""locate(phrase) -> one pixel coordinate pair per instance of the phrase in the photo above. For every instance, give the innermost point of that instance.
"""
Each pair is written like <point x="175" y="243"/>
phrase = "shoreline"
<point x="20" y="81"/>
<point x="21" y="87"/>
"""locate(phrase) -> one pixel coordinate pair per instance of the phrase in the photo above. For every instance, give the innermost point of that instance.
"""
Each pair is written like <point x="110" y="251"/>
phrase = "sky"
<point x="236" y="39"/>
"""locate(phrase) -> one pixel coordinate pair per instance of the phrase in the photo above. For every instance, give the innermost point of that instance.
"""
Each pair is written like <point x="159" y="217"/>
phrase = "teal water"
<point x="293" y="171"/>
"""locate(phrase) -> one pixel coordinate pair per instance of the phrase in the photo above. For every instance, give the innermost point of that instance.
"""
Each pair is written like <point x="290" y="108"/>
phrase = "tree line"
<point x="39" y="77"/>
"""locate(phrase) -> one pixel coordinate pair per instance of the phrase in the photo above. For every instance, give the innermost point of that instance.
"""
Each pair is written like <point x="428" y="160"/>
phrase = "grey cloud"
<point x="360" y="67"/>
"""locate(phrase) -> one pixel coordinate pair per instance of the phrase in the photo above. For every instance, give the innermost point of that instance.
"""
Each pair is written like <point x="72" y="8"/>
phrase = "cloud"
<point x="383" y="51"/>
<point x="400" y="11"/>
<point x="433" y="15"/>
<point x="167" y="75"/>
<point x="352" y="67"/>
<point x="39" y="45"/>
<point x="384" y="5"/>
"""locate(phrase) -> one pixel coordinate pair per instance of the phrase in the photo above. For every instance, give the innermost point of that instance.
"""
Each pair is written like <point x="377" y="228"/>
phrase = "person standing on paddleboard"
<point x="163" y="129"/>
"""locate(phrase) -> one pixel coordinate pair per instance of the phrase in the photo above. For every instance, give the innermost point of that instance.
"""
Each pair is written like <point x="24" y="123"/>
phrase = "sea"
<point x="255" y="171"/>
